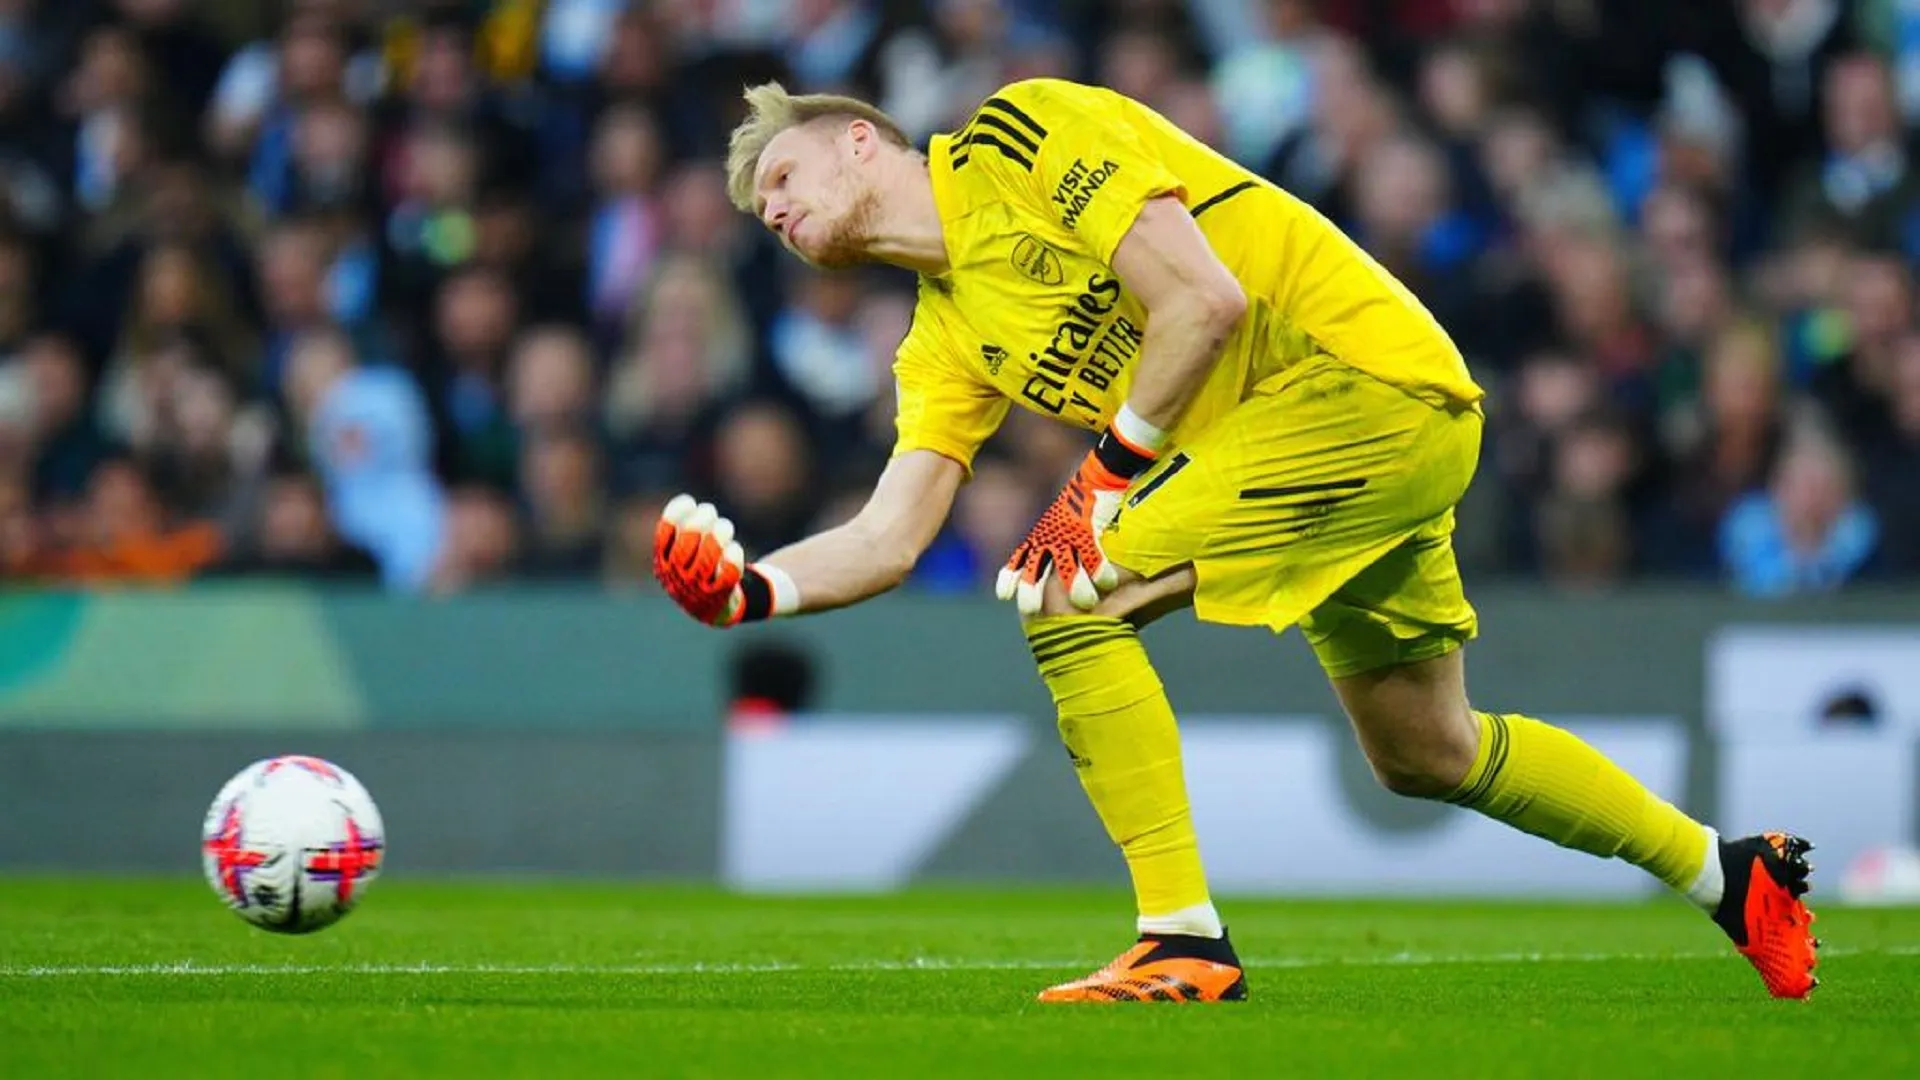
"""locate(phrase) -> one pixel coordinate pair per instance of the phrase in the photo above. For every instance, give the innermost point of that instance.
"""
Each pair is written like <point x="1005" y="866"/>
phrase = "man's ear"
<point x="864" y="139"/>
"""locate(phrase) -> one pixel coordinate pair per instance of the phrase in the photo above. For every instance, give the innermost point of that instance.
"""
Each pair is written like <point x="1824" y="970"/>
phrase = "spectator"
<point x="309" y="82"/>
<point x="186" y="58"/>
<point x="293" y="538"/>
<point x="475" y="318"/>
<point x="1863" y="179"/>
<point x="1892" y="462"/>
<point x="1809" y="531"/>
<point x="1406" y="212"/>
<point x="292" y="268"/>
<point x="690" y="354"/>
<point x="628" y="560"/>
<point x="1280" y="66"/>
<point x="19" y="304"/>
<point x="429" y="230"/>
<point x="370" y="440"/>
<point x="103" y="100"/>
<point x="1584" y="524"/>
<point x="180" y="292"/>
<point x="625" y="231"/>
<point x="817" y="346"/>
<point x="482" y="540"/>
<point x="1733" y="446"/>
<point x="990" y="519"/>
<point x="311" y="61"/>
<point x="560" y="483"/>
<point x="327" y="159"/>
<point x="1878" y="294"/>
<point x="764" y="475"/>
<point x="124" y="536"/>
<point x="66" y="444"/>
<point x="550" y="382"/>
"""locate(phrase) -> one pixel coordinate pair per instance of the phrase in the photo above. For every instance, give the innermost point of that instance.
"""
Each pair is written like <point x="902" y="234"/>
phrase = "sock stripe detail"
<point x="1051" y="634"/>
<point x="1078" y="642"/>
<point x="1054" y="636"/>
<point x="1496" y="761"/>
<point x="1075" y="629"/>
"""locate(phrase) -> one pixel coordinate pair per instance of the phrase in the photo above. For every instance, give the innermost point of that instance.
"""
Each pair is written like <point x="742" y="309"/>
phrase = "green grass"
<point x="565" y="981"/>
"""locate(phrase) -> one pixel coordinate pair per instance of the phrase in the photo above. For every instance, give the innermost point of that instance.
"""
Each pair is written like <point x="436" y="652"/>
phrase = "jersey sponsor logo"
<point x="1088" y="350"/>
<point x="1032" y="257"/>
<point x="993" y="356"/>
<point x="1076" y="189"/>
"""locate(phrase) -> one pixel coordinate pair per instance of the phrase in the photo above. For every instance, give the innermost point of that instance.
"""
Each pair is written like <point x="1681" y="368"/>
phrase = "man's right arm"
<point x="945" y="411"/>
<point x="877" y="549"/>
<point x="697" y="560"/>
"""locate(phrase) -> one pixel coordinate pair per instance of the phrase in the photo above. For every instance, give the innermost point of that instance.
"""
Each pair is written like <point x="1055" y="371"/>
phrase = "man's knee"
<point x="1427" y="772"/>
<point x="1415" y="726"/>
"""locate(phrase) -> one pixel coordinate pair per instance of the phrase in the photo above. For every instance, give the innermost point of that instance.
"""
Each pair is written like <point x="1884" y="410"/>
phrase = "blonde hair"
<point x="771" y="110"/>
<point x="689" y="287"/>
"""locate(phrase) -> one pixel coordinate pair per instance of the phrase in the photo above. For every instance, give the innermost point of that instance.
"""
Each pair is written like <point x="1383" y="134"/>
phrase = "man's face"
<point x="815" y="196"/>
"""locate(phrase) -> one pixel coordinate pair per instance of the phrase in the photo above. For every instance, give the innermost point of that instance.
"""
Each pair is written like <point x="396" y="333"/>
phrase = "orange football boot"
<point x="1162" y="967"/>
<point x="1762" y="912"/>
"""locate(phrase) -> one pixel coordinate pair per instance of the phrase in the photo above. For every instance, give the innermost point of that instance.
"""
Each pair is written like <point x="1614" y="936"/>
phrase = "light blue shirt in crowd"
<point x="372" y="442"/>
<point x="1756" y="554"/>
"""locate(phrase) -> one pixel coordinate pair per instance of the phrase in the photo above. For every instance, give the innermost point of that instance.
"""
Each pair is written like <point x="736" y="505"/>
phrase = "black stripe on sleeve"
<point x="1220" y="198"/>
<point x="987" y="119"/>
<point x="1017" y="113"/>
<point x="981" y="138"/>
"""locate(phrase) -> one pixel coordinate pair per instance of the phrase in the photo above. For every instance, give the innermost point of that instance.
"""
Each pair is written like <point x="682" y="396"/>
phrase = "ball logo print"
<point x="230" y="857"/>
<point x="317" y="766"/>
<point x="291" y="844"/>
<point x="346" y="863"/>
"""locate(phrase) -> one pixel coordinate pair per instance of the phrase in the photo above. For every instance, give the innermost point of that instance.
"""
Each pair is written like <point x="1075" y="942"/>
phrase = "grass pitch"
<point x="113" y="978"/>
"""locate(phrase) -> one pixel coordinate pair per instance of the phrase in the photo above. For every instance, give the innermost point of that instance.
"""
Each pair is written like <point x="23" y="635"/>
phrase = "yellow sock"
<point x="1119" y="731"/>
<point x="1545" y="781"/>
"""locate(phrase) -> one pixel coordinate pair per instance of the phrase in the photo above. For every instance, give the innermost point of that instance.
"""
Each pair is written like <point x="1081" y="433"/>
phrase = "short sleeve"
<point x="1076" y="153"/>
<point x="942" y="406"/>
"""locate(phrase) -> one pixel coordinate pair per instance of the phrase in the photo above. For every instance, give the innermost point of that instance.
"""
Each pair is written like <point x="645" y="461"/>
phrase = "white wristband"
<point x="1130" y="426"/>
<point x="786" y="594"/>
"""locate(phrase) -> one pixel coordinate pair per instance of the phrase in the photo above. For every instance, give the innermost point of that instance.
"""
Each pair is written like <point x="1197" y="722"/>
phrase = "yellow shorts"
<point x="1325" y="500"/>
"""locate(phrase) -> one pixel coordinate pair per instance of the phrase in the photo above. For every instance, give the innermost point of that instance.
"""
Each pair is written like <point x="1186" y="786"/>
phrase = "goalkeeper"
<point x="1282" y="434"/>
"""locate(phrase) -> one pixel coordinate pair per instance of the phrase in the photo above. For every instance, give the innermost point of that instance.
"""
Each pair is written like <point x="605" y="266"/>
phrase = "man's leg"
<point x="1423" y="739"/>
<point x="1120" y="733"/>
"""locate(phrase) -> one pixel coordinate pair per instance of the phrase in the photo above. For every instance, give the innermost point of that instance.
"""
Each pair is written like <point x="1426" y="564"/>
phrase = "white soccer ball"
<point x="1882" y="876"/>
<point x="292" y="843"/>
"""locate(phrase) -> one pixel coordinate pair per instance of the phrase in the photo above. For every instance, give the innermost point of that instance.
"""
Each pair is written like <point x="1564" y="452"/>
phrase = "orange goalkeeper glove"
<point x="1066" y="539"/>
<point x="698" y="563"/>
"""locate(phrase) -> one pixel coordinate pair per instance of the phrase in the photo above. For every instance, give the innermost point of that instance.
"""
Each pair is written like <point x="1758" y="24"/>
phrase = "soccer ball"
<point x="1882" y="876"/>
<point x="292" y="844"/>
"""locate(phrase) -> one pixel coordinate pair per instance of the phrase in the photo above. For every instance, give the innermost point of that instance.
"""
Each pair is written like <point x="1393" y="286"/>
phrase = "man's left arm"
<point x="1193" y="304"/>
<point x="1092" y="173"/>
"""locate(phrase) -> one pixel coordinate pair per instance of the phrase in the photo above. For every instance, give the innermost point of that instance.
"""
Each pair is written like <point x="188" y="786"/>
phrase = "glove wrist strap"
<point x="766" y="591"/>
<point x="1120" y="459"/>
<point x="1129" y="444"/>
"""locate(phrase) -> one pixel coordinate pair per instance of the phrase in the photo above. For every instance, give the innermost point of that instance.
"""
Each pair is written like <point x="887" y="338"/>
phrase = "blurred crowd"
<point x="432" y="295"/>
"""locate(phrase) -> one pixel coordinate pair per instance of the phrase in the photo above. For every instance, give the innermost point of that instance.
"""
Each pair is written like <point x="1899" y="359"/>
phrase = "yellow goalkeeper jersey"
<point x="1035" y="193"/>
